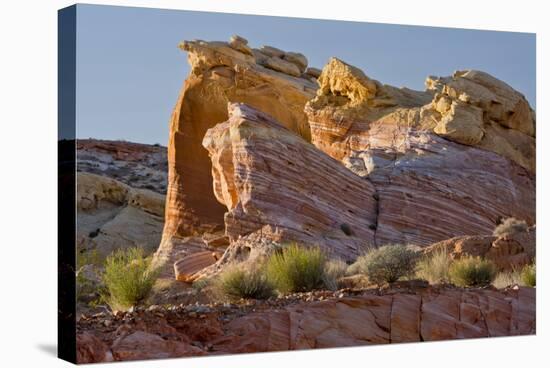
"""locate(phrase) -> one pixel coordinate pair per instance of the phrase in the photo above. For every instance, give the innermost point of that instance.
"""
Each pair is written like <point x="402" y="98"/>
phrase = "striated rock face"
<point x="394" y="316"/>
<point x="387" y="165"/>
<point x="220" y="73"/>
<point x="142" y="345"/>
<point x="112" y="215"/>
<point x="276" y="184"/>
<point x="471" y="108"/>
<point x="429" y="188"/>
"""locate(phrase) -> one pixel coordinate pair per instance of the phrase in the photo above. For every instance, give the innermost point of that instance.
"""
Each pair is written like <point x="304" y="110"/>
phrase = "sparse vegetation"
<point x="529" y="276"/>
<point x="507" y="278"/>
<point x="200" y="284"/>
<point x="510" y="226"/>
<point x="387" y="264"/>
<point x="239" y="282"/>
<point x="127" y="278"/>
<point x="472" y="271"/>
<point x="434" y="268"/>
<point x="296" y="268"/>
<point x="335" y="269"/>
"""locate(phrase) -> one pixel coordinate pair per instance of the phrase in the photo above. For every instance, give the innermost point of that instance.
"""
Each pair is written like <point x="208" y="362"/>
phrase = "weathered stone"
<point x="429" y="188"/>
<point x="240" y="44"/>
<point x="297" y="59"/>
<point x="219" y="75"/>
<point x="275" y="183"/>
<point x="314" y="72"/>
<point x="508" y="252"/>
<point x="186" y="268"/>
<point x="272" y="51"/>
<point x="483" y="105"/>
<point x="393" y="316"/>
<point x="282" y="66"/>
<point x="405" y="318"/>
<point x="142" y="345"/>
<point x="112" y="215"/>
<point x="90" y="349"/>
<point x="141" y="166"/>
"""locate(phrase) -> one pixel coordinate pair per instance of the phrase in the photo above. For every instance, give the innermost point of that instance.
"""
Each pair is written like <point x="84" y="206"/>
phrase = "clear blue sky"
<point x="130" y="70"/>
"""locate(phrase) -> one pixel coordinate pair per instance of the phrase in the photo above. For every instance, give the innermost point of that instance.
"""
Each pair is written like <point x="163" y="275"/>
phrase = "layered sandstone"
<point x="282" y="188"/>
<point x="412" y="167"/>
<point x="220" y="73"/>
<point x="471" y="108"/>
<point x="429" y="188"/>
<point x="392" y="316"/>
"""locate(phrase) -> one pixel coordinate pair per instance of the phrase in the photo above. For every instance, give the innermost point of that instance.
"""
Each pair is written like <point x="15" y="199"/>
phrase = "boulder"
<point x="186" y="268"/>
<point x="283" y="66"/>
<point x="297" y="59"/>
<point x="240" y="44"/>
<point x="272" y="51"/>
<point x="314" y="72"/>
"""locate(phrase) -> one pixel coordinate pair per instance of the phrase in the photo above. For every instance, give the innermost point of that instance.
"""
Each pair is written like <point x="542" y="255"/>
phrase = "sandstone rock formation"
<point x="429" y="188"/>
<point x="138" y="165"/>
<point x="471" y="108"/>
<point x="394" y="316"/>
<point x="414" y="167"/>
<point x="220" y="73"/>
<point x="275" y="183"/>
<point x="112" y="215"/>
<point x="187" y="267"/>
<point x="508" y="252"/>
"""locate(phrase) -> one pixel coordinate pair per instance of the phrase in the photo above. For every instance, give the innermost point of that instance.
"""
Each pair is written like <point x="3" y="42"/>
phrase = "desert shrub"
<point x="388" y="263"/>
<point x="127" y="278"/>
<point x="247" y="283"/>
<point x="357" y="267"/>
<point x="507" y="278"/>
<point x="529" y="276"/>
<point x="472" y="271"/>
<point x="201" y="284"/>
<point x="335" y="269"/>
<point x="434" y="268"/>
<point x="510" y="226"/>
<point x="296" y="268"/>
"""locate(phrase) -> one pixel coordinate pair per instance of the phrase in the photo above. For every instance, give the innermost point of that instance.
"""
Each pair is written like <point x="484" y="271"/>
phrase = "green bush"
<point x="389" y="263"/>
<point x="529" y="276"/>
<point x="510" y="226"/>
<point x="127" y="278"/>
<point x="247" y="283"/>
<point x="472" y="271"/>
<point x="335" y="269"/>
<point x="295" y="268"/>
<point x="434" y="268"/>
